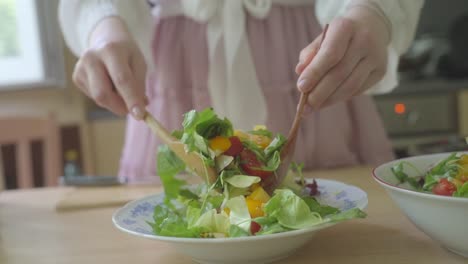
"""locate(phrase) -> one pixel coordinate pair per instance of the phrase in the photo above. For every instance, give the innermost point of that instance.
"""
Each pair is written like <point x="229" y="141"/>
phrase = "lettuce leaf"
<point x="462" y="191"/>
<point x="168" y="222"/>
<point x="429" y="181"/>
<point x="212" y="222"/>
<point x="291" y="211"/>
<point x="215" y="127"/>
<point x="242" y="181"/>
<point x="236" y="231"/>
<point x="193" y="118"/>
<point x="192" y="215"/>
<point x="315" y="206"/>
<point x="198" y="127"/>
<point x="346" y="215"/>
<point x="273" y="163"/>
<point x="272" y="229"/>
<point x="445" y="166"/>
<point x="261" y="132"/>
<point x="222" y="161"/>
<point x="275" y="145"/>
<point x="237" y="185"/>
<point x="214" y="201"/>
<point x="269" y="225"/>
<point x="169" y="165"/>
<point x="289" y="182"/>
<point x="239" y="213"/>
<point x="255" y="149"/>
<point x="196" y="143"/>
<point x="398" y="171"/>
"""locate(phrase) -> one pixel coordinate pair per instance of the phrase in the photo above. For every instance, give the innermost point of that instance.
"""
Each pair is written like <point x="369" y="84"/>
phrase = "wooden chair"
<point x="21" y="131"/>
<point x="2" y="177"/>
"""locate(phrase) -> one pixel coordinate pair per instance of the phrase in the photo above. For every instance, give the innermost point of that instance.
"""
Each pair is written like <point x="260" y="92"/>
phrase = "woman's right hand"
<point x="112" y="71"/>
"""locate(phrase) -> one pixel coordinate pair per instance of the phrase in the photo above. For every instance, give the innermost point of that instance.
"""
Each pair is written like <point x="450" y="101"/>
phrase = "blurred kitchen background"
<point x="428" y="111"/>
<point x="68" y="134"/>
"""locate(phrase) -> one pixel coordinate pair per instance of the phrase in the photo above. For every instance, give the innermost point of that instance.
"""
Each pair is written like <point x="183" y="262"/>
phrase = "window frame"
<point x="50" y="48"/>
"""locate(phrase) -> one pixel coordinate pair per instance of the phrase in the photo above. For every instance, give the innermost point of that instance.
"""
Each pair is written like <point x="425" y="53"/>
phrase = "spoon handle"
<point x="291" y="140"/>
<point x="158" y="129"/>
<point x="288" y="149"/>
<point x="299" y="114"/>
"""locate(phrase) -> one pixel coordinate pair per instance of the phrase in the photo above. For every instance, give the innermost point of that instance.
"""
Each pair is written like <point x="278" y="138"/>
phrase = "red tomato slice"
<point x="444" y="187"/>
<point x="251" y="165"/>
<point x="236" y="147"/>
<point x="254" y="227"/>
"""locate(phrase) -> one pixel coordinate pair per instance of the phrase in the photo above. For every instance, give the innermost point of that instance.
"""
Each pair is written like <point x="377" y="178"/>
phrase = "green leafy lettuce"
<point x="444" y="169"/>
<point x="201" y="211"/>
<point x="447" y="168"/>
<point x="199" y="127"/>
<point x="169" y="165"/>
<point x="291" y="211"/>
<point x="398" y="171"/>
<point x="462" y="191"/>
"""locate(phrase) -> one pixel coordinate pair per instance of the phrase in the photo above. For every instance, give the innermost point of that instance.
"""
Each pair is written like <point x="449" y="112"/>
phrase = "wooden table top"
<point x="32" y="231"/>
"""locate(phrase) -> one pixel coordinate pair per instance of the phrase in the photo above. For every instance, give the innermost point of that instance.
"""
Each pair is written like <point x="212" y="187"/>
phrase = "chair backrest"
<point x="21" y="131"/>
<point x="2" y="177"/>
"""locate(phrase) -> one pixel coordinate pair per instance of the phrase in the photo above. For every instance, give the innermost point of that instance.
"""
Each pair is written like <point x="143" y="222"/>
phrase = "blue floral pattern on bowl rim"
<point x="133" y="218"/>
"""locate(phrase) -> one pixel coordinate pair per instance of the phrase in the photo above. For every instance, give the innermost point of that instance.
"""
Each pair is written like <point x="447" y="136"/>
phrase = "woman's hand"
<point x="352" y="58"/>
<point x="112" y="71"/>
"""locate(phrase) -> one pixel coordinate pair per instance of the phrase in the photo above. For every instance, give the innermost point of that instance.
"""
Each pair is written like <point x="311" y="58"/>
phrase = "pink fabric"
<point x="345" y="134"/>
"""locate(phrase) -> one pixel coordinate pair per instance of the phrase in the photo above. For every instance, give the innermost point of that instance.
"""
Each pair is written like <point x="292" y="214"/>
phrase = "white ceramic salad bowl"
<point x="133" y="218"/>
<point x="443" y="218"/>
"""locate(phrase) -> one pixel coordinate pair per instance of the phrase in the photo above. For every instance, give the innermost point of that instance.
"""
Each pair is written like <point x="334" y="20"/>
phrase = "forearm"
<point x="78" y="18"/>
<point x="400" y="16"/>
<point x="109" y="29"/>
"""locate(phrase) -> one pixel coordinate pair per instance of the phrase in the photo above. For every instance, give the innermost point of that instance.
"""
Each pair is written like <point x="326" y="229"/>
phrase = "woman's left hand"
<point x="351" y="58"/>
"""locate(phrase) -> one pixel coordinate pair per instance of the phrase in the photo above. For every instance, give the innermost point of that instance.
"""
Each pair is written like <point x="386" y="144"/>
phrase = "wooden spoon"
<point x="192" y="160"/>
<point x="287" y="151"/>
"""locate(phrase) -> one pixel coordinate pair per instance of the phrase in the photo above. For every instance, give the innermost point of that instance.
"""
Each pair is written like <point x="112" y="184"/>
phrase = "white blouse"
<point x="226" y="20"/>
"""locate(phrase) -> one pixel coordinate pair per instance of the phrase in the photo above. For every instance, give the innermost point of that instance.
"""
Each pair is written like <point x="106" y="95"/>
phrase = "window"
<point x="31" y="51"/>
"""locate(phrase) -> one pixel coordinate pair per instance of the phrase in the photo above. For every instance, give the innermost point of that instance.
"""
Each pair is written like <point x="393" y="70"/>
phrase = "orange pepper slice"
<point x="220" y="143"/>
<point x="255" y="208"/>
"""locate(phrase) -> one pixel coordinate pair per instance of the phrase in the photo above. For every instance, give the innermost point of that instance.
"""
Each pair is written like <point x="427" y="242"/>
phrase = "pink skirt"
<point x="345" y="134"/>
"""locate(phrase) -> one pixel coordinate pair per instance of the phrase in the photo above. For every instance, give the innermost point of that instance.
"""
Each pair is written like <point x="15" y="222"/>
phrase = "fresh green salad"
<point x="236" y="204"/>
<point x="448" y="177"/>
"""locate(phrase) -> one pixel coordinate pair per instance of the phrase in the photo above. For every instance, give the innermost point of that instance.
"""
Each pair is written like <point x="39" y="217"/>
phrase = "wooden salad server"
<point x="192" y="160"/>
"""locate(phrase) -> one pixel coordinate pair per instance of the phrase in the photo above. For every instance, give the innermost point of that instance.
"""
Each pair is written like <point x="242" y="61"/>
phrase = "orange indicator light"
<point x="400" y="108"/>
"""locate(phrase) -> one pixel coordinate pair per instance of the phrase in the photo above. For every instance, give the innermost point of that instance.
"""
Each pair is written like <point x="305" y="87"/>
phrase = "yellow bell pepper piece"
<point x="457" y="183"/>
<point x="241" y="134"/>
<point x="462" y="174"/>
<point x="259" y="194"/>
<point x="463" y="160"/>
<point x="220" y="143"/>
<point x="227" y="211"/>
<point x="261" y="140"/>
<point x="254" y="186"/>
<point x="259" y="127"/>
<point x="255" y="208"/>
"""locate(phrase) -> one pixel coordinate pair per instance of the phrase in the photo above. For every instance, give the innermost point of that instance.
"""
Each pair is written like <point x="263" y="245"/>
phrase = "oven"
<point x="422" y="117"/>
